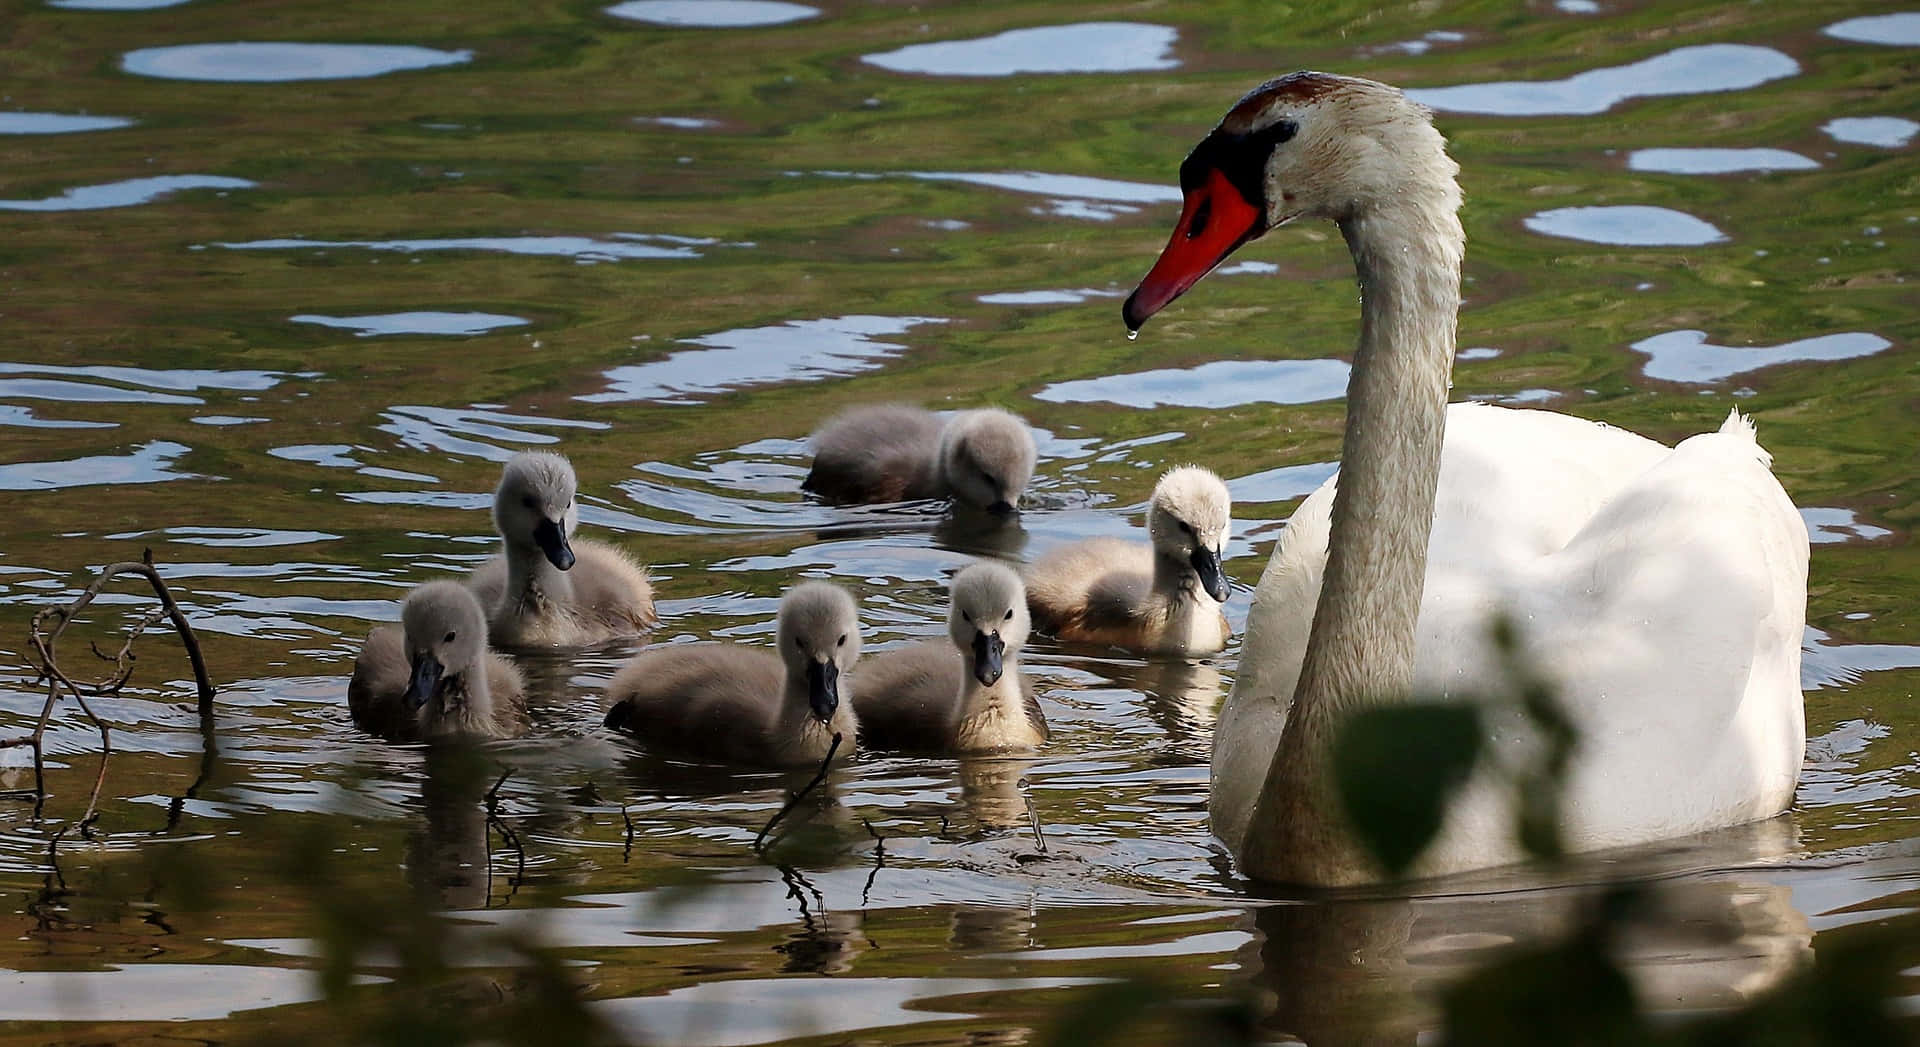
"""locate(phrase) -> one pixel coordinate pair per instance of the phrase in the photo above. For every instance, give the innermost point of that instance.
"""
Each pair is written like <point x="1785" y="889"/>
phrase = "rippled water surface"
<point x="284" y="285"/>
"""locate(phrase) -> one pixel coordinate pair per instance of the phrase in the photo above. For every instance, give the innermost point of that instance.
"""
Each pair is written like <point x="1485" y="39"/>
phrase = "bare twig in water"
<point x="492" y="801"/>
<point x="44" y="634"/>
<point x="1033" y="816"/>
<point x="626" y="852"/>
<point x="793" y="801"/>
<point x="879" y="860"/>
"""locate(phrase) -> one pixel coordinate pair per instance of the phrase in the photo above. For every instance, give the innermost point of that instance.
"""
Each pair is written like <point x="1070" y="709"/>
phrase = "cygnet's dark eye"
<point x="449" y="638"/>
<point x="1187" y="527"/>
<point x="1009" y="616"/>
<point x="842" y="641"/>
<point x="527" y="501"/>
<point x="967" y="618"/>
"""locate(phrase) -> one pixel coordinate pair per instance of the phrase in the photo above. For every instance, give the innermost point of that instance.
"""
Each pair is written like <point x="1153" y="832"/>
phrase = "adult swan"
<point x="1662" y="589"/>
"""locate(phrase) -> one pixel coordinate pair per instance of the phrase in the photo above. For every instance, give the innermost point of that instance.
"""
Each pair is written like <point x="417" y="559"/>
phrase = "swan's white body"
<point x="1663" y="591"/>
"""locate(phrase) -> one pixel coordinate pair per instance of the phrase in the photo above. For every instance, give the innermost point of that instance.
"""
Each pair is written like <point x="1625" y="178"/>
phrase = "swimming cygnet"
<point x="897" y="453"/>
<point x="1162" y="598"/>
<point x="961" y="695"/>
<point x="750" y="705"/>
<point x="548" y="588"/>
<point x="433" y="677"/>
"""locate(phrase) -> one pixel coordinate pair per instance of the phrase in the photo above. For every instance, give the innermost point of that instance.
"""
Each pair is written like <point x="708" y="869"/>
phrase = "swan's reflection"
<point x="977" y="532"/>
<point x="448" y="858"/>
<point x="993" y="791"/>
<point x="1352" y="969"/>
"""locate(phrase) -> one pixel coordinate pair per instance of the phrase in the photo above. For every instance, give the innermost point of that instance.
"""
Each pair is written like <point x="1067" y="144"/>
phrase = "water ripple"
<point x="798" y="350"/>
<point x="1887" y="132"/>
<point x="282" y="62"/>
<point x="146" y="464"/>
<point x="1699" y="69"/>
<point x="1901" y="29"/>
<point x="1687" y="356"/>
<point x="1631" y="225"/>
<point x="1717" y="161"/>
<point x="373" y="324"/>
<point x="712" y="14"/>
<point x="128" y="193"/>
<point x="621" y="247"/>
<point x="57" y="123"/>
<point x="1222" y="383"/>
<point x="448" y="429"/>
<point x="1084" y="47"/>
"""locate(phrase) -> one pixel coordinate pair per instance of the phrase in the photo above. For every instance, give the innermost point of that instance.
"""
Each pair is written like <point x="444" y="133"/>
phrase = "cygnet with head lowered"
<point x="961" y="695"/>
<point x="750" y="705"/>
<point x="433" y="677"/>
<point x="548" y="588"/>
<point x="895" y="453"/>
<point x="1160" y="598"/>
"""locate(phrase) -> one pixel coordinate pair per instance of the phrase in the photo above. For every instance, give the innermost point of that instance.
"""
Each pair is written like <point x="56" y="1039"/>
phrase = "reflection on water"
<point x="1886" y="132"/>
<point x="712" y="14"/>
<point x="1895" y="30"/>
<point x="795" y="351"/>
<point x="1630" y="225"/>
<point x="1717" y="161"/>
<point x="729" y="1013"/>
<point x="155" y="992"/>
<point x="278" y="62"/>
<point x="124" y="194"/>
<point x="1825" y="526"/>
<point x="57" y="123"/>
<point x="147" y="464"/>
<point x="1687" y="356"/>
<point x="621" y="247"/>
<point x="858" y="235"/>
<point x="1699" y="69"/>
<point x="1085" y="47"/>
<point x="1223" y="383"/>
<point x="414" y="323"/>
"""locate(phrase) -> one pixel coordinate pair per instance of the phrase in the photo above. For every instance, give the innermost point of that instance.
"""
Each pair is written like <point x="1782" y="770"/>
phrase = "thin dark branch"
<point x="1033" y="817"/>
<point x="794" y="800"/>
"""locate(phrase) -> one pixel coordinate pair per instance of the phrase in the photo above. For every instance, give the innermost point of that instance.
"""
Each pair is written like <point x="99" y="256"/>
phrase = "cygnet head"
<point x="534" y="506"/>
<point x="987" y="457"/>
<point x="988" y="617"/>
<point x="819" y="629"/>
<point x="1188" y="519"/>
<point x="1307" y="145"/>
<point x="446" y="638"/>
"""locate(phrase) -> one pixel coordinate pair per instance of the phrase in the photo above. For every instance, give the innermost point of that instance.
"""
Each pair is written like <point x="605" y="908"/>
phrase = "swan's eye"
<point x="528" y="502"/>
<point x="449" y="638"/>
<point x="967" y="618"/>
<point x="1187" y="527"/>
<point x="842" y="642"/>
<point x="1281" y="132"/>
<point x="1009" y="616"/>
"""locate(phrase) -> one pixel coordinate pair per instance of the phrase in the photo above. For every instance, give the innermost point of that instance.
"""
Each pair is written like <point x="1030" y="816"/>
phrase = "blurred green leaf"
<point x="1396" y="767"/>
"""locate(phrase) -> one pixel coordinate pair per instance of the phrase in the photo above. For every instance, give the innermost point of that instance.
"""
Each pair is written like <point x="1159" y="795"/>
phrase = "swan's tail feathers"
<point x="1741" y="425"/>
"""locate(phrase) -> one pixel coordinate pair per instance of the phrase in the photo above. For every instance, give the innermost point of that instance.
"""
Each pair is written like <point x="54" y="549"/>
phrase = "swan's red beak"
<point x="1214" y="221"/>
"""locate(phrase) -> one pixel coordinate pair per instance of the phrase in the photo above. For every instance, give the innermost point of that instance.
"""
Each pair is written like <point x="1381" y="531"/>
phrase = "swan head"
<point x="819" y="636"/>
<point x="986" y="457"/>
<point x="1188" y="520"/>
<point x="1306" y="145"/>
<point x="988" y="618"/>
<point x="446" y="639"/>
<point x="533" y="507"/>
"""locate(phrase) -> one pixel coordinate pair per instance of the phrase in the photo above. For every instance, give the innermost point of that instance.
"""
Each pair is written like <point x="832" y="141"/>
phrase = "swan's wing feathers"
<point x="906" y="697"/>
<point x="883" y="453"/>
<point x="610" y="587"/>
<point x="489" y="583"/>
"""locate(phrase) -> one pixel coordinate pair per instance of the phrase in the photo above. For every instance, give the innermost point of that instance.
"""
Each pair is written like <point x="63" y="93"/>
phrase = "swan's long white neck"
<point x="1407" y="253"/>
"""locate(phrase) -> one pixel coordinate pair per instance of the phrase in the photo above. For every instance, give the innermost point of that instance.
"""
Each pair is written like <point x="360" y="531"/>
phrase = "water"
<point x="670" y="248"/>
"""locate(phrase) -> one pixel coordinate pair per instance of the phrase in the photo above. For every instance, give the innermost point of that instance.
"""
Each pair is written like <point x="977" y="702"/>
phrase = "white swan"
<point x="1663" y="590"/>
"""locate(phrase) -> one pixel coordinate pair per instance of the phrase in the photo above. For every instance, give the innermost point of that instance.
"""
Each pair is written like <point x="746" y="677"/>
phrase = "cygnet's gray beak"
<point x="553" y="542"/>
<point x="988" y="650"/>
<point x="823" y="689"/>
<point x="1206" y="564"/>
<point x="425" y="681"/>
